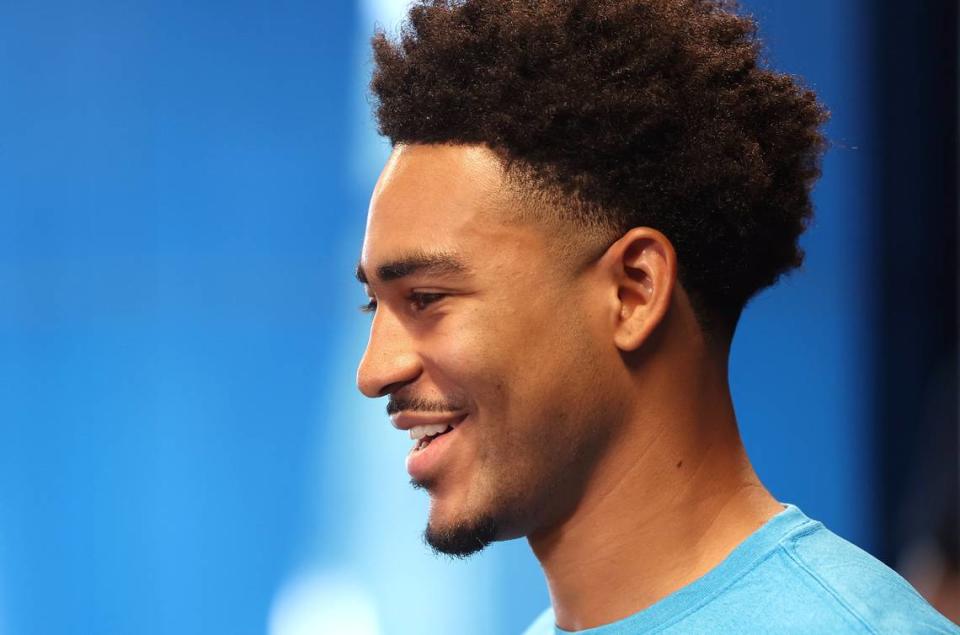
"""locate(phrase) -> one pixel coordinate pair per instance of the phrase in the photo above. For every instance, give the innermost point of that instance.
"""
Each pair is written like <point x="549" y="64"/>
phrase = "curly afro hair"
<point x="652" y="113"/>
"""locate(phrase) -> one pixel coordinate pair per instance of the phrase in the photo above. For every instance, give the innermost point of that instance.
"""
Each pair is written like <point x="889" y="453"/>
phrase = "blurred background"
<point x="183" y="188"/>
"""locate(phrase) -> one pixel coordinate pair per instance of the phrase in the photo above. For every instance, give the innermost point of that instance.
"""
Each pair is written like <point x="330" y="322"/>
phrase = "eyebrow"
<point x="437" y="263"/>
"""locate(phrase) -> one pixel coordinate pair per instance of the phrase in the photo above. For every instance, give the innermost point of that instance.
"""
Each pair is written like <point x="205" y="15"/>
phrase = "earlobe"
<point x="644" y="267"/>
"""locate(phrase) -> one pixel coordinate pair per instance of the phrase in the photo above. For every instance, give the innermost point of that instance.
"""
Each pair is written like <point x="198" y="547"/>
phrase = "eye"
<point x="421" y="301"/>
<point x="370" y="306"/>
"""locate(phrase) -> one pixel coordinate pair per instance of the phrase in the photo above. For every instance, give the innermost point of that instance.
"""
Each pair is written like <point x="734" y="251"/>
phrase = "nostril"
<point x="375" y="385"/>
<point x="392" y="388"/>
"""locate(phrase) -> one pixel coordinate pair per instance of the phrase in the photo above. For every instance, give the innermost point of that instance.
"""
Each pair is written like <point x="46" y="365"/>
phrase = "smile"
<point x="424" y="434"/>
<point x="431" y="442"/>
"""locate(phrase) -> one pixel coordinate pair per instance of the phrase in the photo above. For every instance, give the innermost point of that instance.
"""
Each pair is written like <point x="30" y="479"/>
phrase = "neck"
<point x="670" y="500"/>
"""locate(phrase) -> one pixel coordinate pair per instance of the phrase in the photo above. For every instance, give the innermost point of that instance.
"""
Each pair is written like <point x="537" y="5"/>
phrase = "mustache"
<point x="416" y="404"/>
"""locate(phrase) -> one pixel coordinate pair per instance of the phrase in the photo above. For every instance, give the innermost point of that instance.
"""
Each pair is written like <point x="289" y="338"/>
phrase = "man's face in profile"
<point x="480" y="324"/>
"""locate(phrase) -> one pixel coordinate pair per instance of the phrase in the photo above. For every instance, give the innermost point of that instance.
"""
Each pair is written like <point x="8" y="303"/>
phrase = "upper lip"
<point x="407" y="420"/>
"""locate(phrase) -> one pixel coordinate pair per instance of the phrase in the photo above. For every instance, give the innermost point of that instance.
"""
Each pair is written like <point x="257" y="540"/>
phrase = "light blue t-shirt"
<point x="792" y="575"/>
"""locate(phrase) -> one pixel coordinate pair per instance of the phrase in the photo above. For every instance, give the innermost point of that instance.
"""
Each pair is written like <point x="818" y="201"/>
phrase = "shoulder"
<point x="813" y="581"/>
<point x="805" y="580"/>
<point x="872" y="595"/>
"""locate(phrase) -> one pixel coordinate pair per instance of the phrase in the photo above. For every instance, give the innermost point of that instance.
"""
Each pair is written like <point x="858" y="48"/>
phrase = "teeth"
<point x="418" y="432"/>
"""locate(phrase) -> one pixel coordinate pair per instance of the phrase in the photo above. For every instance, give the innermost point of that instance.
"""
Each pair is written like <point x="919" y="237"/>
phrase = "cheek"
<point x="474" y="350"/>
<point x="567" y="391"/>
<point x="531" y="376"/>
<point x="548" y="392"/>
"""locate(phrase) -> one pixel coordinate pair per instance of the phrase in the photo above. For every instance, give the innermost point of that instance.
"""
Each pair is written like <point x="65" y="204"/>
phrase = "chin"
<point x="461" y="538"/>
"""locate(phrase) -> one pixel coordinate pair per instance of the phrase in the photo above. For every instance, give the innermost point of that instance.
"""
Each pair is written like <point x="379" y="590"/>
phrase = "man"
<point x="582" y="197"/>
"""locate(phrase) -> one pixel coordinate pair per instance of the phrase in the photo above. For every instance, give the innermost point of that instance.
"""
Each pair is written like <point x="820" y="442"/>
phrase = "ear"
<point x="643" y="266"/>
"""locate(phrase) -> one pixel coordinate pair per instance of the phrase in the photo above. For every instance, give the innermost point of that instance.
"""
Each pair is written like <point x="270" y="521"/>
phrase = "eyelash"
<point x="420" y="301"/>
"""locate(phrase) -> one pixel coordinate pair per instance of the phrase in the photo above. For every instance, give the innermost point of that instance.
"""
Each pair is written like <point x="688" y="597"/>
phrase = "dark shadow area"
<point x="915" y="268"/>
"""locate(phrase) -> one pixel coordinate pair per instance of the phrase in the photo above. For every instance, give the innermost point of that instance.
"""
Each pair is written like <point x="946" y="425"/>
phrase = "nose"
<point x="390" y="361"/>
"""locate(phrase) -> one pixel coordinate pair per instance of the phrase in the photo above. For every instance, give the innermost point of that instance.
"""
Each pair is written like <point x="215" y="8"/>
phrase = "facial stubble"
<point x="463" y="538"/>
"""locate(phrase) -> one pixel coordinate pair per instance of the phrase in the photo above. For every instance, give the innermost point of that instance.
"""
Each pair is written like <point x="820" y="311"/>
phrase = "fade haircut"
<point x="656" y="113"/>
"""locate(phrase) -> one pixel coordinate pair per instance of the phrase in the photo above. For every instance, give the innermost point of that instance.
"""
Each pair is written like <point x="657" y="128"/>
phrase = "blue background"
<point x="182" y="449"/>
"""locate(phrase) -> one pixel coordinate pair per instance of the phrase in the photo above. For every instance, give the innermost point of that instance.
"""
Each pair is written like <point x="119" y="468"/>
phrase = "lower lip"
<point x="421" y="464"/>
